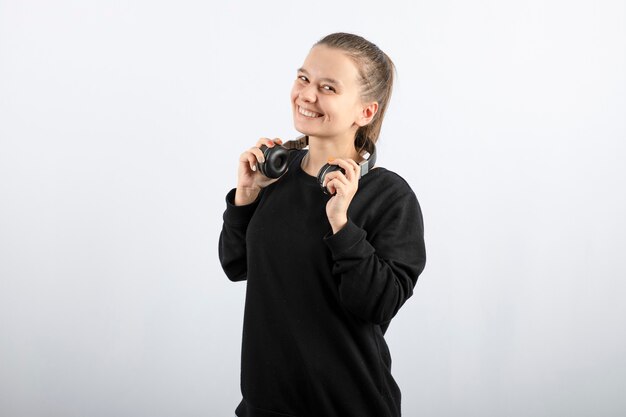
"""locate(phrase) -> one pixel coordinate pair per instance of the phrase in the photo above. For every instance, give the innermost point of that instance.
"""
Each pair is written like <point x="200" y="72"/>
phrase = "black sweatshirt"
<point x="317" y="303"/>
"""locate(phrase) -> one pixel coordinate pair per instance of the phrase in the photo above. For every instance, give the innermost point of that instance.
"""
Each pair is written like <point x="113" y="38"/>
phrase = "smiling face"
<point x="325" y="97"/>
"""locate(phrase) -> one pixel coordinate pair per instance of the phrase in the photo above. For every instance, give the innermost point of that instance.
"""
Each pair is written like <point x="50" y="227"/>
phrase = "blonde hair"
<point x="376" y="72"/>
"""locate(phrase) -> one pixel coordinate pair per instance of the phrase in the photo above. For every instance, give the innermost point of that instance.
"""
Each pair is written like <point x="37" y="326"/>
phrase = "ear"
<point x="367" y="113"/>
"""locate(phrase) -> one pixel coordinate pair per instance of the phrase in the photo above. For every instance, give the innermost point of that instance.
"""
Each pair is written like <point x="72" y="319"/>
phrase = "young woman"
<point x="330" y="246"/>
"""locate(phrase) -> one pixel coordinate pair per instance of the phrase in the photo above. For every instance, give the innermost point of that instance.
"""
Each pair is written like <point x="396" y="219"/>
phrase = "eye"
<point x="328" y="88"/>
<point x="302" y="78"/>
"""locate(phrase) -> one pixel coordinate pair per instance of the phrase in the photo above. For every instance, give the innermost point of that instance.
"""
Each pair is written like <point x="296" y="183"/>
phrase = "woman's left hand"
<point x="344" y="187"/>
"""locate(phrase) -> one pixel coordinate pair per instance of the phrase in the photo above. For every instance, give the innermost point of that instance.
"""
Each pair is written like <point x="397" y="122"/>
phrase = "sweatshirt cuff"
<point x="239" y="215"/>
<point x="349" y="240"/>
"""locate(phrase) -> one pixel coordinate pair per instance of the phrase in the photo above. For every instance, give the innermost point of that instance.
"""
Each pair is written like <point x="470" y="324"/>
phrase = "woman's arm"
<point x="232" y="242"/>
<point x="378" y="272"/>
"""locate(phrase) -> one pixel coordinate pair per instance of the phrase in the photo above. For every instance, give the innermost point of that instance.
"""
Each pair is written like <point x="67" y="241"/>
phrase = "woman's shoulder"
<point x="381" y="180"/>
<point x="384" y="194"/>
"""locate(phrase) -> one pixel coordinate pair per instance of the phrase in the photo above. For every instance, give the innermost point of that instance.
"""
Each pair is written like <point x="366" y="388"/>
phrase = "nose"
<point x="308" y="93"/>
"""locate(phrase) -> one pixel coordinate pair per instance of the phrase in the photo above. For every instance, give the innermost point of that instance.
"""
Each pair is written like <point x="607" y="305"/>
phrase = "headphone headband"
<point x="302" y="142"/>
<point x="275" y="164"/>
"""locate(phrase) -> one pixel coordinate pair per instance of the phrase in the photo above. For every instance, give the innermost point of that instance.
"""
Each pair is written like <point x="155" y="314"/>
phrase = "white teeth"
<point x="307" y="113"/>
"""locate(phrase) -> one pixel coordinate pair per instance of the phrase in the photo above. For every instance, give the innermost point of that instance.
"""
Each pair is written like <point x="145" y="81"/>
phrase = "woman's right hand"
<point x="249" y="179"/>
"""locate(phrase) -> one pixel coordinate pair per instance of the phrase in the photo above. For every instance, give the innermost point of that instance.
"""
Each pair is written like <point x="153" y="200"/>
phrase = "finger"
<point x="335" y="186"/>
<point x="330" y="186"/>
<point x="357" y="167"/>
<point x="250" y="159"/>
<point x="265" y="141"/>
<point x="278" y="141"/>
<point x="349" y="166"/>
<point x="258" y="154"/>
<point x="336" y="175"/>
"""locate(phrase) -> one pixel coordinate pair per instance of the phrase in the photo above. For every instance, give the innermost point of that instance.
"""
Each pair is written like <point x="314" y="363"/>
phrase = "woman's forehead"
<point x="330" y="63"/>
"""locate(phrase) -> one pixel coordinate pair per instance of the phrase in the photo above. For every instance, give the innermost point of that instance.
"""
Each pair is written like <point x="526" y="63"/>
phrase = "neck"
<point x="323" y="149"/>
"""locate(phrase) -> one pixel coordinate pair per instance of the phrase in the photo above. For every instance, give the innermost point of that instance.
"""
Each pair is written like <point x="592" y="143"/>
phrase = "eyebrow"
<point x="328" y="80"/>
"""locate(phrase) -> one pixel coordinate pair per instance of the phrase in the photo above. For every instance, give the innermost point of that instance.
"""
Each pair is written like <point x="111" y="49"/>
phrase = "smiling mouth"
<point x="308" y="113"/>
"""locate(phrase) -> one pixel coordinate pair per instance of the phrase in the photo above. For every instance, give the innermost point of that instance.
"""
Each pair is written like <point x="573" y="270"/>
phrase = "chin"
<point x="304" y="131"/>
<point x="303" y="128"/>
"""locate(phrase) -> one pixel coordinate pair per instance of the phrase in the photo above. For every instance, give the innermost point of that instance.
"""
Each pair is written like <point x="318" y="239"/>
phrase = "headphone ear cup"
<point x="321" y="175"/>
<point x="275" y="163"/>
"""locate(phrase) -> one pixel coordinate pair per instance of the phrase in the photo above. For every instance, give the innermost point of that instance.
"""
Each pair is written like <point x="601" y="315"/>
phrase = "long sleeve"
<point x="378" y="272"/>
<point x="232" y="241"/>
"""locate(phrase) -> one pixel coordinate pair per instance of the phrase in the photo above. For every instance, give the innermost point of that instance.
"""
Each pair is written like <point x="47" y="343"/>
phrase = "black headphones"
<point x="276" y="158"/>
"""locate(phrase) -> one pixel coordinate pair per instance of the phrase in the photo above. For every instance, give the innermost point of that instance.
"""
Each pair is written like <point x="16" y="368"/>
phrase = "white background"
<point x="121" y="123"/>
